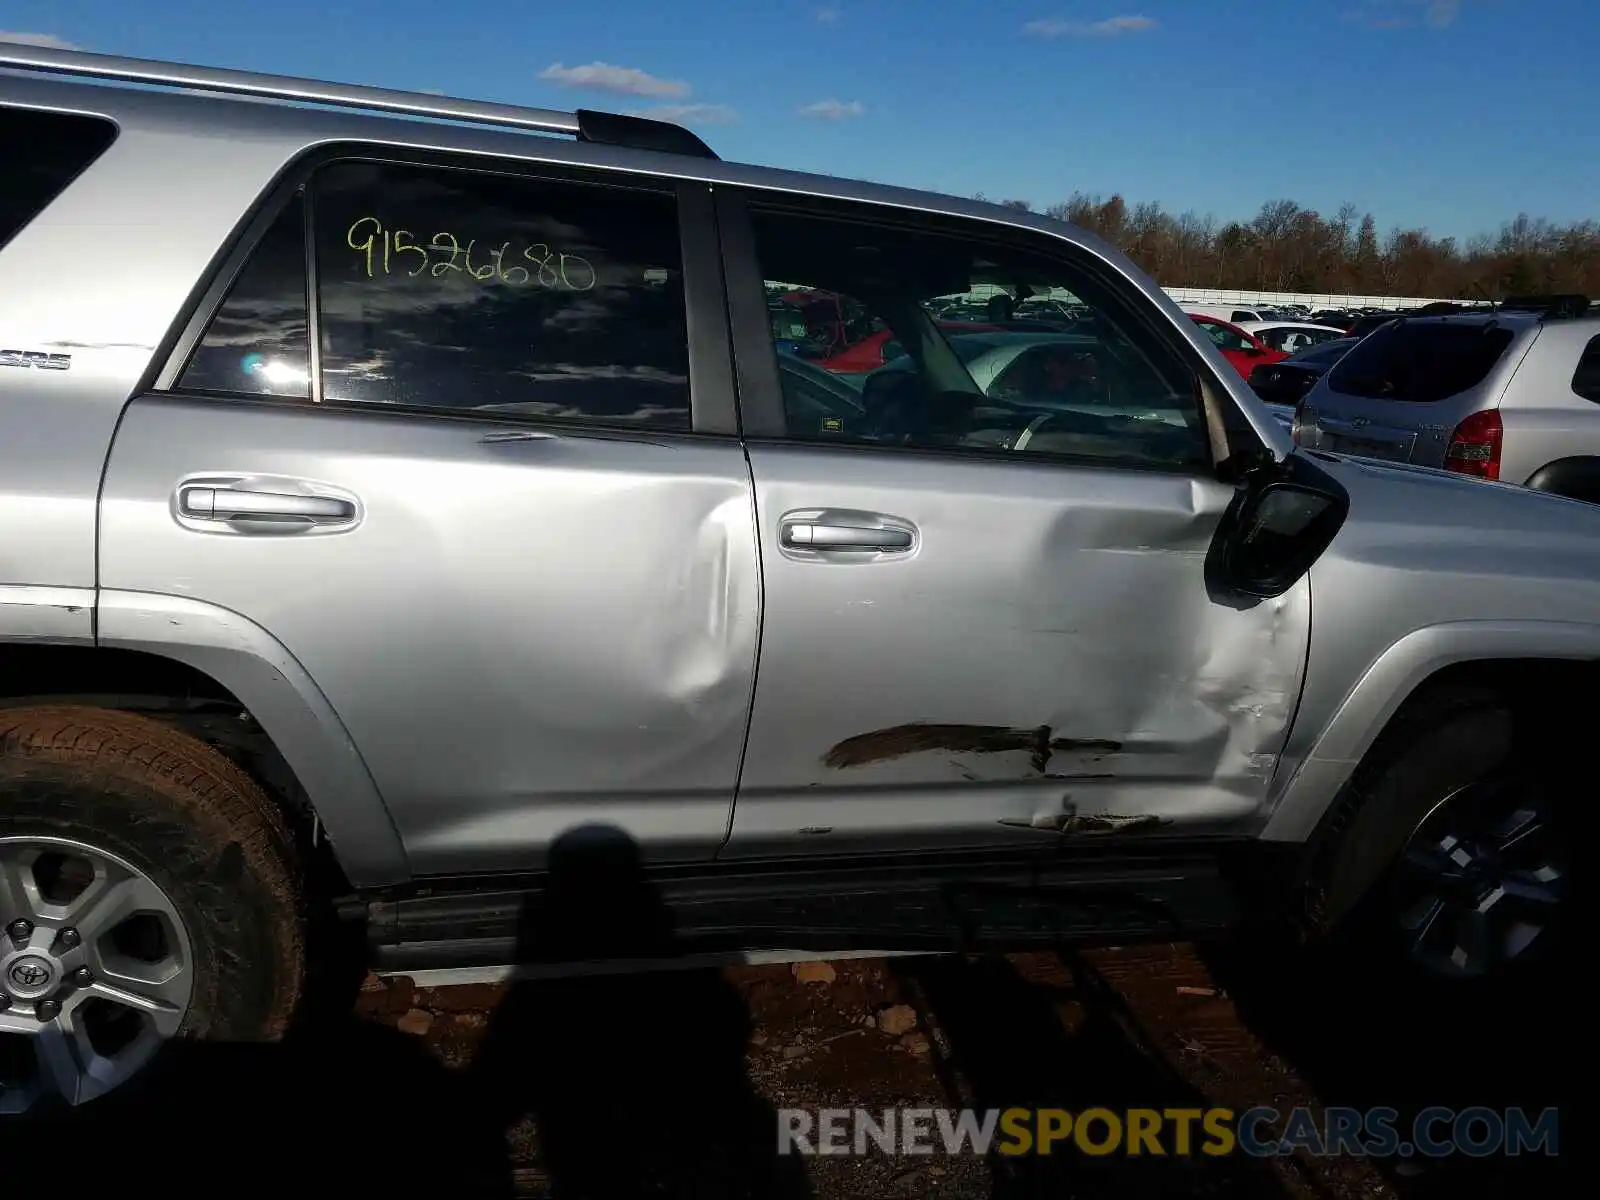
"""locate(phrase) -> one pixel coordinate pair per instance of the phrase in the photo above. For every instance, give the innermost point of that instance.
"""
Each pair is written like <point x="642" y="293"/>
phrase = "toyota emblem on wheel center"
<point x="30" y="972"/>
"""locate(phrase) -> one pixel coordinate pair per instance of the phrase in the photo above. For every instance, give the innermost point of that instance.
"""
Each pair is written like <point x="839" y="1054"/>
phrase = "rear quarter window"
<point x="1586" y="379"/>
<point x="1419" y="363"/>
<point x="45" y="151"/>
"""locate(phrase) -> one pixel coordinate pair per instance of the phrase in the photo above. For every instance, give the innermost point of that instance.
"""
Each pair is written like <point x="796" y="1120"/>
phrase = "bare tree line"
<point x="1286" y="248"/>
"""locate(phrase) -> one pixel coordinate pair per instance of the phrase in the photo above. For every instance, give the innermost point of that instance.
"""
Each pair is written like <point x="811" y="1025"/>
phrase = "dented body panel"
<point x="503" y="677"/>
<point x="1048" y="653"/>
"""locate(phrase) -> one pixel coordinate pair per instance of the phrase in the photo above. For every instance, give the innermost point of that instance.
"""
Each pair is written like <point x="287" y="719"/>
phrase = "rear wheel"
<point x="147" y="892"/>
<point x="1449" y="848"/>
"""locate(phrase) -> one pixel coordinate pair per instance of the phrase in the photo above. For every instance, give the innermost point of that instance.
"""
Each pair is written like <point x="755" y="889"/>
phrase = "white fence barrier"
<point x="1313" y="300"/>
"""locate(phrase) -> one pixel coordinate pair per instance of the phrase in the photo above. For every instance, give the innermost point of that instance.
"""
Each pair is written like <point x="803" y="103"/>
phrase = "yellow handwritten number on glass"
<point x="454" y="250"/>
<point x="508" y="274"/>
<point x="577" y="273"/>
<point x="547" y="275"/>
<point x="410" y="248"/>
<point x="364" y="247"/>
<point x="485" y="272"/>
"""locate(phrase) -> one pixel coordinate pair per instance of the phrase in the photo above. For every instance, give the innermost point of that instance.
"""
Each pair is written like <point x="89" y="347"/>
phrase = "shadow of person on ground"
<point x="1368" y="1031"/>
<point x="1010" y="1047"/>
<point x="341" y="1107"/>
<point x="635" y="1084"/>
<point x="613" y="1086"/>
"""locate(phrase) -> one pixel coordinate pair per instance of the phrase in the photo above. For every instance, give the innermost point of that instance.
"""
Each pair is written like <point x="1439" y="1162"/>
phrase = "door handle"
<point x="240" y="504"/>
<point x="805" y="535"/>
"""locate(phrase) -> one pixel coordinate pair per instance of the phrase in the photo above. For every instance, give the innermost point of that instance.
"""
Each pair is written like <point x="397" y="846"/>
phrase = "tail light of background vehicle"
<point x="1475" y="446"/>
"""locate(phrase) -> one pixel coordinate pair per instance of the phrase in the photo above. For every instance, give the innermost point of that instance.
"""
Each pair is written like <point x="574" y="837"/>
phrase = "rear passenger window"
<point x="1586" y="379"/>
<point x="44" y="152"/>
<point x="454" y="290"/>
<point x="464" y="292"/>
<point x="1420" y="362"/>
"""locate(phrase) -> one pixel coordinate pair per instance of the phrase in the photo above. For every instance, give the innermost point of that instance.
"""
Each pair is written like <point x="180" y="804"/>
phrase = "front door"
<point x="478" y="493"/>
<point x="986" y="613"/>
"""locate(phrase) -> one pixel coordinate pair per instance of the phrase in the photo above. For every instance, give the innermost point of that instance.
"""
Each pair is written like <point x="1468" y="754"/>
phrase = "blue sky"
<point x="1453" y="115"/>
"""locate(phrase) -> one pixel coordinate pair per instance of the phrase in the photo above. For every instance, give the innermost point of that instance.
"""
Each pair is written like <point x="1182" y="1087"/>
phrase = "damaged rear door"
<point x="986" y="617"/>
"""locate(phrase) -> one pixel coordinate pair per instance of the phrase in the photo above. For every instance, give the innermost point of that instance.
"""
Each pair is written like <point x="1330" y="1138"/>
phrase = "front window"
<point x="1104" y="386"/>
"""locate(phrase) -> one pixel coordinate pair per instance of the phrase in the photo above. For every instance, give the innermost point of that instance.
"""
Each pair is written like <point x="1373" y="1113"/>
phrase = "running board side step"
<point x="929" y="903"/>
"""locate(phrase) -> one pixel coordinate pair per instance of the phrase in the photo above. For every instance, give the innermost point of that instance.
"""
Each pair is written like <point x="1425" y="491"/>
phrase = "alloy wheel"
<point x="1481" y="878"/>
<point x="96" y="971"/>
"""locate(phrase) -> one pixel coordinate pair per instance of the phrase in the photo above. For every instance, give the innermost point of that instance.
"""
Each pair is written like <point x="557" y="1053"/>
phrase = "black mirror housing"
<point x="1277" y="528"/>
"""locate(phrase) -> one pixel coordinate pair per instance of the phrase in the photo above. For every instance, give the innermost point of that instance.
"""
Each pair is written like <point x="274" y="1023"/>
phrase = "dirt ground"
<point x="666" y="1084"/>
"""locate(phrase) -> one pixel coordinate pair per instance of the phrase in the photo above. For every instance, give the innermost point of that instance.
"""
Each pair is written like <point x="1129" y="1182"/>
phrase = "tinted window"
<point x="1586" y="379"/>
<point x="455" y="290"/>
<point x="1112" y="390"/>
<point x="1420" y="362"/>
<point x="44" y="152"/>
<point x="257" y="342"/>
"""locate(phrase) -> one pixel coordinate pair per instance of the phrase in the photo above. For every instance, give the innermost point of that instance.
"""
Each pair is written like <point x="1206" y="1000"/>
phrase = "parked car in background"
<point x="1291" y="336"/>
<point x="876" y="349"/>
<point x="1338" y="318"/>
<point x="1282" y="384"/>
<point x="1225" y="312"/>
<point x="1511" y="395"/>
<point x="1243" y="350"/>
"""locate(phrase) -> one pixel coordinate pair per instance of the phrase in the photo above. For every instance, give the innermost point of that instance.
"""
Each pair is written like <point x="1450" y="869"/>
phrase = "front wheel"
<point x="147" y="892"/>
<point x="1452" y="851"/>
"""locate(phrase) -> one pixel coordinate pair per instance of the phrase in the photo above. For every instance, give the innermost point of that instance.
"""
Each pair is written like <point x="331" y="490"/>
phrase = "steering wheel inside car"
<point x="1026" y="435"/>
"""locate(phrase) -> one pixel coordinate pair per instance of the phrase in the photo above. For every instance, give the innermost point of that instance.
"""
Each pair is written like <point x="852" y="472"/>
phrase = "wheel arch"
<point x="189" y="663"/>
<point x="1577" y="477"/>
<point x="1523" y="661"/>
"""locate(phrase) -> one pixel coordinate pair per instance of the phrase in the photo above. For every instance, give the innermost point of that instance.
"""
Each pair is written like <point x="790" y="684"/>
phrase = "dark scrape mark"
<point x="1070" y="824"/>
<point x="883" y="744"/>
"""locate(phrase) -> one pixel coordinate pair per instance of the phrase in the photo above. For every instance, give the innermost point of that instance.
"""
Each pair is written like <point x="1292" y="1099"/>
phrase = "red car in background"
<point x="1244" y="350"/>
<point x="872" y="351"/>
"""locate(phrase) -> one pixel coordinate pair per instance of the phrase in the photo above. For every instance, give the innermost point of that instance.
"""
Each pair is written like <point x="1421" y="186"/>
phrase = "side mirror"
<point x="1279" y="530"/>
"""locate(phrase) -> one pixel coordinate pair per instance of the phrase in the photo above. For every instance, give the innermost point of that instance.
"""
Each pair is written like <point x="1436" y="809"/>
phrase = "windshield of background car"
<point x="1420" y="362"/>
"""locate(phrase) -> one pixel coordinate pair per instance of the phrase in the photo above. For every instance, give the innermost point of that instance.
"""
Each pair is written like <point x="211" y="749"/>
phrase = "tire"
<point x="137" y="796"/>
<point x="1452" y="757"/>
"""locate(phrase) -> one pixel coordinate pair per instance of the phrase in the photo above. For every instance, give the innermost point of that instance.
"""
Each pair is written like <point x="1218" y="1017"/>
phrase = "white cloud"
<point x="828" y="15"/>
<point x="1055" y="27"/>
<point x="1405" y="14"/>
<point x="690" y="114"/>
<point x="626" y="81"/>
<point x="832" y="110"/>
<point x="48" y="41"/>
<point x="1443" y="12"/>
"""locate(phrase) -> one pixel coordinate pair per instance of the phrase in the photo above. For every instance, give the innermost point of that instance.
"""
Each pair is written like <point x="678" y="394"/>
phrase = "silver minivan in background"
<point x="1511" y="394"/>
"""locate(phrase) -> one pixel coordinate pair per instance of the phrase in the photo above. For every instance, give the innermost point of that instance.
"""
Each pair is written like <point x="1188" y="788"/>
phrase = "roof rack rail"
<point x="1569" y="305"/>
<point x="609" y="129"/>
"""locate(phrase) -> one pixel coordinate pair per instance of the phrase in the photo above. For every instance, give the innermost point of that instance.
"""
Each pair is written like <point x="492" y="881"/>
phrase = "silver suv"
<point x="408" y="517"/>
<point x="1512" y="394"/>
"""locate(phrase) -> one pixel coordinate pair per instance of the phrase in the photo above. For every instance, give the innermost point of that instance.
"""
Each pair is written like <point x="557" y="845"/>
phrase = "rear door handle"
<point x="207" y="502"/>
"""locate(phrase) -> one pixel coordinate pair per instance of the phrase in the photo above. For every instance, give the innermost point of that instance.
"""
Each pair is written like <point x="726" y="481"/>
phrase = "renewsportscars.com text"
<point x="1260" y="1132"/>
